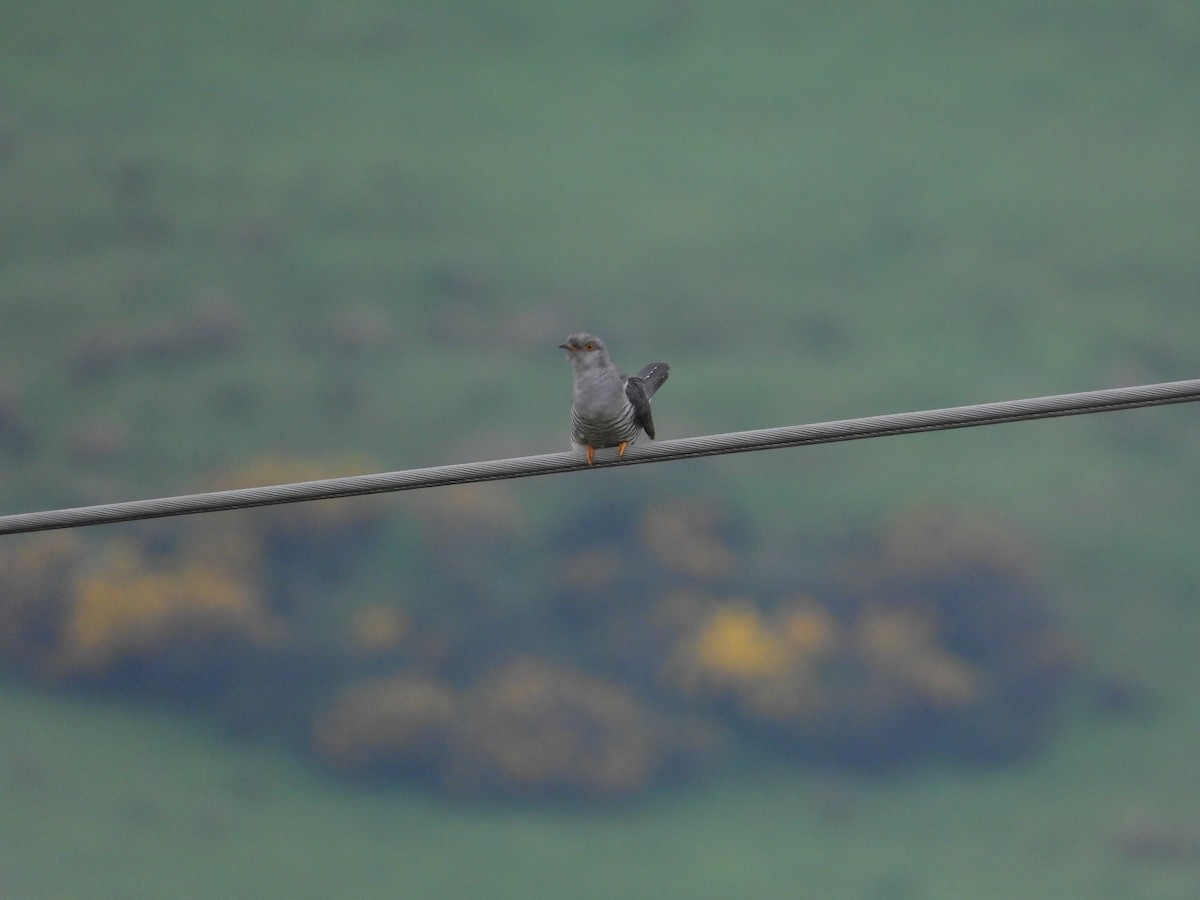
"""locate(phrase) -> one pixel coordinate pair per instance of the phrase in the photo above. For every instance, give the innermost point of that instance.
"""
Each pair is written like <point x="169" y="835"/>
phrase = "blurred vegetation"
<point x="625" y="664"/>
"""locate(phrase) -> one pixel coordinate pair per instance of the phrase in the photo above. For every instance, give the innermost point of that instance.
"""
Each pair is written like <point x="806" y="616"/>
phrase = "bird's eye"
<point x="589" y="346"/>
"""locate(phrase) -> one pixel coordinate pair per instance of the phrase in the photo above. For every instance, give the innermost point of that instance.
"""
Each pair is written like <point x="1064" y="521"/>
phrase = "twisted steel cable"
<point x="682" y="448"/>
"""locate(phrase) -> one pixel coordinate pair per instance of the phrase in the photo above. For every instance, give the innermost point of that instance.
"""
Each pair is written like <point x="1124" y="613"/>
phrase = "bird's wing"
<point x="653" y="377"/>
<point x="635" y="390"/>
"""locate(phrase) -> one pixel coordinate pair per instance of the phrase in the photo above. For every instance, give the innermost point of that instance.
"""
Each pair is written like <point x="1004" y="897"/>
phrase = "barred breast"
<point x="604" y="432"/>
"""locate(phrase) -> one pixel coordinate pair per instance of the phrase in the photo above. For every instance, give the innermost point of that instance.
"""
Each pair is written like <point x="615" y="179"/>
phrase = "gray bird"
<point x="608" y="409"/>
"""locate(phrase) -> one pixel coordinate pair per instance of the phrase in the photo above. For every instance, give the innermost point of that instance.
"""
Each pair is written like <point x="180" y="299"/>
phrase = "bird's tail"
<point x="653" y="376"/>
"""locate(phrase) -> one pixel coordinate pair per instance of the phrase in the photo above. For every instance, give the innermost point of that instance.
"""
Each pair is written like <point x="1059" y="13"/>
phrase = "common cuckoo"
<point x="608" y="409"/>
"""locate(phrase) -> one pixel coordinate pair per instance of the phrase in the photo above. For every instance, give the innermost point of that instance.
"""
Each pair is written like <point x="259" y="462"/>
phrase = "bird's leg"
<point x="621" y="449"/>
<point x="591" y="451"/>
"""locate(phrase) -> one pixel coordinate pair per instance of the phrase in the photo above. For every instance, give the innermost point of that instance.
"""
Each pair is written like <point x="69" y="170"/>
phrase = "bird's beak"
<point x="566" y="347"/>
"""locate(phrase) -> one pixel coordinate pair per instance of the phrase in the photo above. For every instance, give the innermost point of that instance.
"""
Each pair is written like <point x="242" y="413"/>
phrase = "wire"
<point x="525" y="466"/>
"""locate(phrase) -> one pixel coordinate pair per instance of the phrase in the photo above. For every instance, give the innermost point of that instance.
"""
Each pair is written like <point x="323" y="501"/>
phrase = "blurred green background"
<point x="356" y="233"/>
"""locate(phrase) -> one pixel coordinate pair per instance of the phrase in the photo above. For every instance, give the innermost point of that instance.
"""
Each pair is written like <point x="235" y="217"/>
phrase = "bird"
<point x="608" y="408"/>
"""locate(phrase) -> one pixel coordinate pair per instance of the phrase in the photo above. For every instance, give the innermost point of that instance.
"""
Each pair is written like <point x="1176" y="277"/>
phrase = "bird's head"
<point x="585" y="351"/>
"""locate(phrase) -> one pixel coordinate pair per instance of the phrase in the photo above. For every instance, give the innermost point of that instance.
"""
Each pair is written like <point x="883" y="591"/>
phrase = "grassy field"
<point x="283" y="229"/>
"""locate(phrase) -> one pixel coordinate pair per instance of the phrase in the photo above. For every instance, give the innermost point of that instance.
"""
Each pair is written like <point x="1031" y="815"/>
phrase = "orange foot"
<point x="591" y="451"/>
